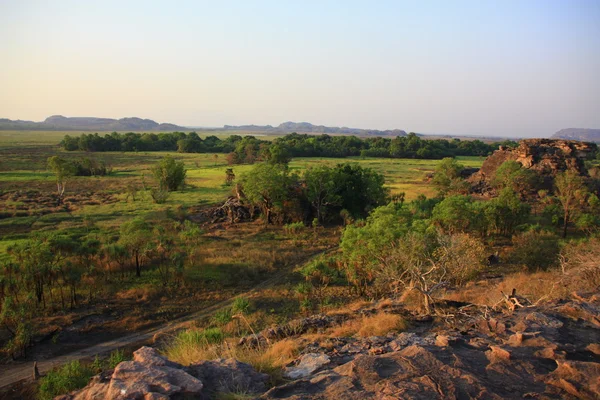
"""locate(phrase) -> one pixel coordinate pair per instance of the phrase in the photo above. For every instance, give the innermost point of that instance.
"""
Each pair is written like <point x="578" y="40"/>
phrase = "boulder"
<point x="148" y="376"/>
<point x="307" y="365"/>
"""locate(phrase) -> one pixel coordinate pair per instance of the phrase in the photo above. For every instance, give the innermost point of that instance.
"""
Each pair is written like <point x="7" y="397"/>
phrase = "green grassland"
<point x="23" y="168"/>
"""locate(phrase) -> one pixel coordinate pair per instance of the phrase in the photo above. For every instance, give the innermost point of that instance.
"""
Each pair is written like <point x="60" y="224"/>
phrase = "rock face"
<point x="545" y="156"/>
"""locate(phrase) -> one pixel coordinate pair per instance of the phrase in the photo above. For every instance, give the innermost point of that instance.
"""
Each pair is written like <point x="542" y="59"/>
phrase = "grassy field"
<point x="105" y="199"/>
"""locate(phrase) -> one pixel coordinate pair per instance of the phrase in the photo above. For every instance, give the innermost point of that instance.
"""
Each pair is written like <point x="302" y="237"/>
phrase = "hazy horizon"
<point x="511" y="68"/>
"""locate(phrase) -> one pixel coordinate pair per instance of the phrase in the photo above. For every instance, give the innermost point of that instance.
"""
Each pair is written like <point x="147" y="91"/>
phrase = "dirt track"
<point x="14" y="373"/>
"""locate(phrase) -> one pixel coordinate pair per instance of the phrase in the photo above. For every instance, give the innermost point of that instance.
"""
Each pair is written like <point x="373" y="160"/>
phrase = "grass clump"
<point x="379" y="324"/>
<point x="63" y="380"/>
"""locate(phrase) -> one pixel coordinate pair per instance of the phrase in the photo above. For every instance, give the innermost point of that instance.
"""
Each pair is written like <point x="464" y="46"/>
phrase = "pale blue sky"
<point x="517" y="68"/>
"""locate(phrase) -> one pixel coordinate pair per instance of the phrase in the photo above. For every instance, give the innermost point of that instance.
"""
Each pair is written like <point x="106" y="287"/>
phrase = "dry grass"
<point x="268" y="359"/>
<point x="379" y="324"/>
<point x="536" y="287"/>
<point x="140" y="294"/>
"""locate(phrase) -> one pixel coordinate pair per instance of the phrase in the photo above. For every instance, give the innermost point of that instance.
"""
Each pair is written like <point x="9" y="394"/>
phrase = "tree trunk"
<point x="565" y="225"/>
<point x="138" y="270"/>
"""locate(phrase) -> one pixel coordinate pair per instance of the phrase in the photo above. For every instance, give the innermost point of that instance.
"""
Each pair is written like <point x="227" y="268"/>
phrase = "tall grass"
<point x="63" y="380"/>
<point x="195" y="345"/>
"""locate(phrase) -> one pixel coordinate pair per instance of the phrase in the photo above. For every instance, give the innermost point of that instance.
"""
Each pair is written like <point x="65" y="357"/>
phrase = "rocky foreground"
<point x="544" y="352"/>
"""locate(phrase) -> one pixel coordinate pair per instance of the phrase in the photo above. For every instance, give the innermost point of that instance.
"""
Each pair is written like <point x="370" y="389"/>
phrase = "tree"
<point x="511" y="174"/>
<point x="454" y="214"/>
<point x="367" y="249"/>
<point x="447" y="177"/>
<point x="169" y="173"/>
<point x="277" y="154"/>
<point x="62" y="169"/>
<point x="229" y="176"/>
<point x="321" y="189"/>
<point x="572" y="193"/>
<point x="361" y="189"/>
<point x="267" y="187"/>
<point x="135" y="235"/>
<point x="505" y="212"/>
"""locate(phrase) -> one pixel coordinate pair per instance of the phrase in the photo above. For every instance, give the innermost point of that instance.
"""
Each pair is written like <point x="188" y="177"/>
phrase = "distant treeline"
<point x="247" y="149"/>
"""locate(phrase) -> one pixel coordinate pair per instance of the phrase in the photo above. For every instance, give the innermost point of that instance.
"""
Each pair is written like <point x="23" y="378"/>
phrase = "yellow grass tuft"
<point x="375" y="325"/>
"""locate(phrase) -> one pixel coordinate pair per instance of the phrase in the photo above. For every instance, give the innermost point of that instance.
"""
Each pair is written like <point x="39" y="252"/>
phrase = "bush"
<point x="240" y="305"/>
<point x="294" y="228"/>
<point x="159" y="196"/>
<point x="170" y="174"/>
<point x="116" y="357"/>
<point x="537" y="250"/>
<point x="222" y="316"/>
<point x="63" y="380"/>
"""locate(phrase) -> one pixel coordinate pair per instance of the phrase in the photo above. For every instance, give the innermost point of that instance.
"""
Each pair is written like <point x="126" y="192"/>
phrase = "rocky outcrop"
<point x="150" y="376"/>
<point x="535" y="352"/>
<point x="547" y="157"/>
<point x="546" y="352"/>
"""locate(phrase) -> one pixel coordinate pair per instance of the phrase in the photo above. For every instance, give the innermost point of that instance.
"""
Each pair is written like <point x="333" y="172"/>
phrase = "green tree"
<point x="321" y="189"/>
<point x="136" y="235"/>
<point x="267" y="187"/>
<point x="360" y="189"/>
<point x="366" y="248"/>
<point x="62" y="169"/>
<point x="447" y="177"/>
<point x="277" y="154"/>
<point x="455" y="214"/>
<point x="572" y="194"/>
<point x="511" y="174"/>
<point x="505" y="212"/>
<point x="169" y="174"/>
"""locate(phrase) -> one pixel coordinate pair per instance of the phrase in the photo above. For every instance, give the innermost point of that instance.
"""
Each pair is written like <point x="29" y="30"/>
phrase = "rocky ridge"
<point x="549" y="351"/>
<point x="547" y="157"/>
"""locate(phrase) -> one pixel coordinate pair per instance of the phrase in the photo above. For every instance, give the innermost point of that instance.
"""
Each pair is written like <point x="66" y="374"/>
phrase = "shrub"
<point x="63" y="380"/>
<point x="294" y="228"/>
<point x="159" y="196"/>
<point x="170" y="174"/>
<point x="240" y="305"/>
<point x="537" y="250"/>
<point x="116" y="357"/>
<point x="580" y="262"/>
<point x="222" y="316"/>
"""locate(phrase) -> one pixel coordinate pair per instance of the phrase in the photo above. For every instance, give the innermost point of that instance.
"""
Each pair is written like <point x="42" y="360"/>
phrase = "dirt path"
<point x="14" y="373"/>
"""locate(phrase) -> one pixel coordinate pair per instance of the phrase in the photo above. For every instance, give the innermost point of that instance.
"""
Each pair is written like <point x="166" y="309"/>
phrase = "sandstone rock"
<point x="579" y="379"/>
<point x="577" y="310"/>
<point x="229" y="375"/>
<point x="147" y="376"/>
<point x="594" y="348"/>
<point x="307" y="365"/>
<point x="545" y="156"/>
<point x="539" y="320"/>
<point x="497" y="354"/>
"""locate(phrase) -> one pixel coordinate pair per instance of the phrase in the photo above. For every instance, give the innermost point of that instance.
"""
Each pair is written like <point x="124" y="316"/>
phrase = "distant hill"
<point x="584" y="135"/>
<point x="306" y="127"/>
<point x="59" y="123"/>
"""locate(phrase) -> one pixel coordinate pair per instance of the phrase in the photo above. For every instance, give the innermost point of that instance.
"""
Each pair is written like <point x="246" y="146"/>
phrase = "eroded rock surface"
<point x="544" y="156"/>
<point x="151" y="376"/>
<point x="544" y="352"/>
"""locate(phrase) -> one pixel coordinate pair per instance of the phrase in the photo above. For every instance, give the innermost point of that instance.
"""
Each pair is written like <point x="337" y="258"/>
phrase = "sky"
<point x="506" y="68"/>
